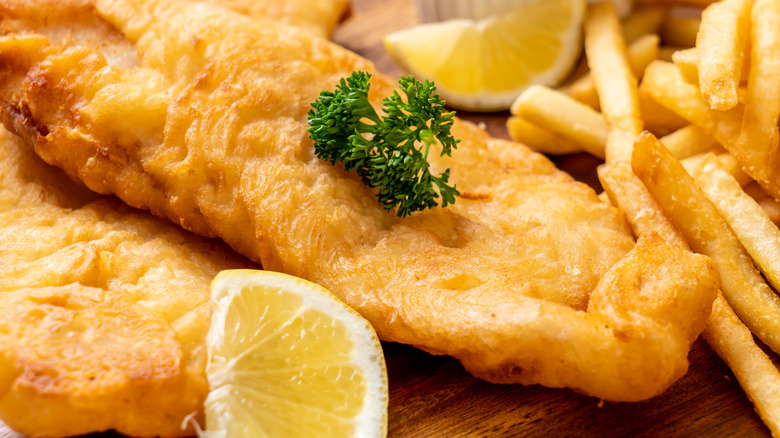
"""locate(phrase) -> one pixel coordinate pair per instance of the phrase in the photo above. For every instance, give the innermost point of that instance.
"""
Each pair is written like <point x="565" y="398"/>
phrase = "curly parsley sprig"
<point x="389" y="153"/>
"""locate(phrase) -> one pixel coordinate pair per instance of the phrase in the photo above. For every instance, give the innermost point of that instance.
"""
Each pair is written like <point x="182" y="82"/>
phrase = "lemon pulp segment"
<point x="288" y="359"/>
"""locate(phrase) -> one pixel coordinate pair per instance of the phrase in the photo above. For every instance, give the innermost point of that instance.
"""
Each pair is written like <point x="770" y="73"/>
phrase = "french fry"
<point x="580" y="69"/>
<point x="754" y="370"/>
<point x="755" y="230"/>
<point x="697" y="221"/>
<point x="727" y="162"/>
<point x="725" y="333"/>
<point x="640" y="53"/>
<point x="628" y="192"/>
<point x="758" y="142"/>
<point x="539" y="139"/>
<point x="656" y="118"/>
<point x="732" y="166"/>
<point x="689" y="140"/>
<point x="687" y="61"/>
<point x="769" y="204"/>
<point x="664" y="83"/>
<point x="708" y="233"/>
<point x="584" y="91"/>
<point x="558" y="113"/>
<point x="665" y="52"/>
<point x="616" y="85"/>
<point x="643" y="21"/>
<point x="720" y="46"/>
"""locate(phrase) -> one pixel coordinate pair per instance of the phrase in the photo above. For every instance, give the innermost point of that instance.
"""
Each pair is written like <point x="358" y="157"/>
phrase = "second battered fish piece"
<point x="104" y="310"/>
<point x="207" y="127"/>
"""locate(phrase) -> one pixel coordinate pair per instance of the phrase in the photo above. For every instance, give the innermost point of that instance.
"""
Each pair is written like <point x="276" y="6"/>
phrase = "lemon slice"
<point x="484" y="65"/>
<point x="288" y="359"/>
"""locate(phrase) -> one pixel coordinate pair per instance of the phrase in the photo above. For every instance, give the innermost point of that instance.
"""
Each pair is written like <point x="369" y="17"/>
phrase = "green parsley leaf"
<point x="389" y="153"/>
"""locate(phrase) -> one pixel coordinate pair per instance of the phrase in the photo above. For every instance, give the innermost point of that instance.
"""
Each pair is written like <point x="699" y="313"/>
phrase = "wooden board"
<point x="434" y="396"/>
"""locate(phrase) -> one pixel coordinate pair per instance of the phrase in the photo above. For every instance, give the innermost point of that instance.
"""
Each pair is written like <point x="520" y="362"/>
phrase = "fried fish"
<point x="316" y="16"/>
<point x="104" y="310"/>
<point x="198" y="114"/>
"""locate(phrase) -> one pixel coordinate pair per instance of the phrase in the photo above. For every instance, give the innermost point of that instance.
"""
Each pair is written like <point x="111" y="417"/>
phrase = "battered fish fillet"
<point x="25" y="180"/>
<point x="207" y="127"/>
<point x="317" y="16"/>
<point x="104" y="310"/>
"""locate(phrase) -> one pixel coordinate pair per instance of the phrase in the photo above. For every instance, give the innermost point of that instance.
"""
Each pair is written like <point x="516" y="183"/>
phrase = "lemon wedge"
<point x="288" y="359"/>
<point x="483" y="65"/>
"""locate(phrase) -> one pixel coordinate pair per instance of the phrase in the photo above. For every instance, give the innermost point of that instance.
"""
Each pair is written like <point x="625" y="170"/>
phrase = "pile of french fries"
<point x="681" y="99"/>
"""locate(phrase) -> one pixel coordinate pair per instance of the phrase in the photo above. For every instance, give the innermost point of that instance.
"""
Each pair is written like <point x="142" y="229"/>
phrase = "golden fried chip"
<point x="720" y="46"/>
<point x="745" y="217"/>
<point x="759" y="139"/>
<point x="708" y="233"/>
<point x="615" y="83"/>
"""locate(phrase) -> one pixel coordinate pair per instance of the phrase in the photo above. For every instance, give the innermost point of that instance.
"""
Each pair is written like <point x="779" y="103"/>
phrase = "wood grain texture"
<point x="432" y="396"/>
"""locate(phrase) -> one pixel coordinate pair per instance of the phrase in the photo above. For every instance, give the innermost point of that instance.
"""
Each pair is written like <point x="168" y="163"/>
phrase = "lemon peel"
<point x="483" y="65"/>
<point x="287" y="358"/>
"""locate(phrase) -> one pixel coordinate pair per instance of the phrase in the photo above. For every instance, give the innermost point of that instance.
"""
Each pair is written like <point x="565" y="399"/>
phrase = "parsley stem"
<point x="426" y="135"/>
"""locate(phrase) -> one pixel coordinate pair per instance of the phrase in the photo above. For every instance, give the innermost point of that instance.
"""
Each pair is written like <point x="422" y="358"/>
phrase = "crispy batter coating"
<point x="208" y="128"/>
<point x="316" y="16"/>
<point x="25" y="180"/>
<point x="103" y="310"/>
